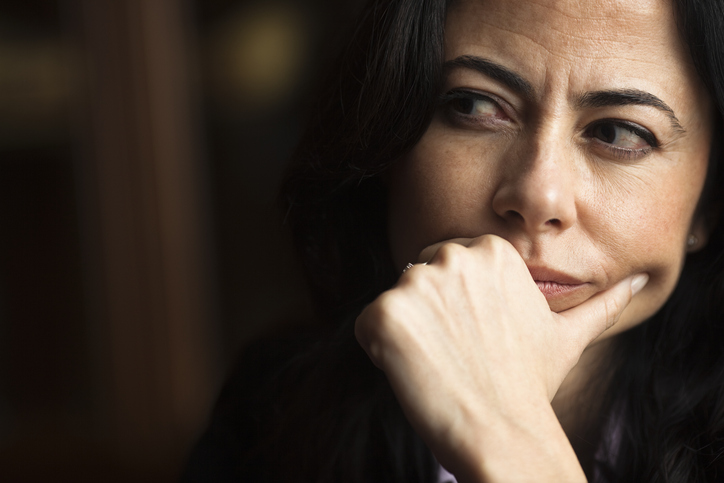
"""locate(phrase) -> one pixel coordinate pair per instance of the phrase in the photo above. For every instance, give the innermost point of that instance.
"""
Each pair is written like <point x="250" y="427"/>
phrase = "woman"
<point x="551" y="168"/>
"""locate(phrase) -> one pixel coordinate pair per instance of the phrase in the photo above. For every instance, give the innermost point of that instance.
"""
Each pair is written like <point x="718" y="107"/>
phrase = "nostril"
<point x="516" y="217"/>
<point x="513" y="215"/>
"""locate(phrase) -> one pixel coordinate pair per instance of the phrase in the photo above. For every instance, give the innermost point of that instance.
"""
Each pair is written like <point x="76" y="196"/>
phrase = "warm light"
<point x="35" y="90"/>
<point x="258" y="54"/>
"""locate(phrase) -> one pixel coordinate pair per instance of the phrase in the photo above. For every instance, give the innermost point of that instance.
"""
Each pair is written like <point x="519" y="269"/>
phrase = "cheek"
<point x="436" y="192"/>
<point x="414" y="205"/>
<point x="650" y="236"/>
<point x="660" y="254"/>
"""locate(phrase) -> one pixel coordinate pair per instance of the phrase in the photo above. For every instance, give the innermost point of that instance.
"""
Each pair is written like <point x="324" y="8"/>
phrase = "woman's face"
<point x="576" y="130"/>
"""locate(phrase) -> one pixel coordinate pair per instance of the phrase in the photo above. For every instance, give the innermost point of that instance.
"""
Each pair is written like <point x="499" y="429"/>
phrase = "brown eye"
<point x="463" y="105"/>
<point x="478" y="107"/>
<point x="623" y="139"/>
<point x="474" y="106"/>
<point x="623" y="135"/>
<point x="606" y="133"/>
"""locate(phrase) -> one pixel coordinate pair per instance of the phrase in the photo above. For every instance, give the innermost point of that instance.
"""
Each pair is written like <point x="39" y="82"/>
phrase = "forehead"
<point x="579" y="42"/>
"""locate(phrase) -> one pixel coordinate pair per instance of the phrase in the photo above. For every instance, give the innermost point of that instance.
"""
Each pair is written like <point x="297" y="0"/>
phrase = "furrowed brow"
<point x="628" y="97"/>
<point x="495" y="71"/>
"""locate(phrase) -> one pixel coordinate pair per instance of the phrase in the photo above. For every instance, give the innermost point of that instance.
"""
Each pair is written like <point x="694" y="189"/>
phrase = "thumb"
<point x="601" y="312"/>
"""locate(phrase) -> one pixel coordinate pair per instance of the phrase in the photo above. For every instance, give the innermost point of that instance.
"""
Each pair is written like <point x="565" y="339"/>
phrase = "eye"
<point x="626" y="140"/>
<point x="481" y="106"/>
<point x="469" y="107"/>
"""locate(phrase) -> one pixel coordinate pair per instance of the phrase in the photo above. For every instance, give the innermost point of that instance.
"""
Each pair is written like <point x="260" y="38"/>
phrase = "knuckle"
<point x="497" y="246"/>
<point x="366" y="337"/>
<point x="498" y="252"/>
<point x="494" y="241"/>
<point x="487" y="242"/>
<point x="504" y="247"/>
<point x="379" y="317"/>
<point x="381" y="325"/>
<point x="450" y="253"/>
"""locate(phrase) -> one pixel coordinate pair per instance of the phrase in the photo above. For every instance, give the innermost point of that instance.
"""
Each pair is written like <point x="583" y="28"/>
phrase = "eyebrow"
<point x="628" y="97"/>
<point x="605" y="98"/>
<point x="495" y="71"/>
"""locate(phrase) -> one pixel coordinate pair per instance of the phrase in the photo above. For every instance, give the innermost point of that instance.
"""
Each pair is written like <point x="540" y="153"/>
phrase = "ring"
<point x="410" y="265"/>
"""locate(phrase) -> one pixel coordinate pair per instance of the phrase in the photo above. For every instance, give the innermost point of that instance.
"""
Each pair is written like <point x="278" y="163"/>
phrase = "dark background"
<point x="141" y="144"/>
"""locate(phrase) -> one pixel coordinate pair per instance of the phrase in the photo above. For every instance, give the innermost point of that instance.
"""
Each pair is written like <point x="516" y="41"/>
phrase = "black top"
<point x="308" y="407"/>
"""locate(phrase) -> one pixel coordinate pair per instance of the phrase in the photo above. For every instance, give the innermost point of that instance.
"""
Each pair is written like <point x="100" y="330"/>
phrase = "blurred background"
<point x="141" y="145"/>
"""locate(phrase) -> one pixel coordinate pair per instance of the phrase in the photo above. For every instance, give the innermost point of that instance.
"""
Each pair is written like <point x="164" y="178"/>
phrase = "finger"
<point x="428" y="253"/>
<point x="601" y="312"/>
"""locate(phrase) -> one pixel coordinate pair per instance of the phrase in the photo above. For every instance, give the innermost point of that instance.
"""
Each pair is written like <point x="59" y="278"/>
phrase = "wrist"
<point x="531" y="446"/>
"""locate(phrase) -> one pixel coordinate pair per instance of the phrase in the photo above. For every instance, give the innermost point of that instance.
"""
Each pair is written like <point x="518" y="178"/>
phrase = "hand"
<point x="475" y="355"/>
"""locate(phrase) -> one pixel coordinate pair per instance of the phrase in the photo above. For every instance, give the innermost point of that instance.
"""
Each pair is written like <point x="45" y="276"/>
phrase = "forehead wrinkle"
<point x="608" y="48"/>
<point x="581" y="17"/>
<point x="603" y="47"/>
<point x="608" y="9"/>
<point x="613" y="42"/>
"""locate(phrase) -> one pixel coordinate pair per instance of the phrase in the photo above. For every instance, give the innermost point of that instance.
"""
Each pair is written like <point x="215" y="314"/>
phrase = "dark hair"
<point x="669" y="388"/>
<point x="375" y="106"/>
<point x="667" y="391"/>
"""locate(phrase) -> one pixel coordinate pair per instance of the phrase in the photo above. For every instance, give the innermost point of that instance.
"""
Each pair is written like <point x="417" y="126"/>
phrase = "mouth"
<point x="554" y="289"/>
<point x="557" y="287"/>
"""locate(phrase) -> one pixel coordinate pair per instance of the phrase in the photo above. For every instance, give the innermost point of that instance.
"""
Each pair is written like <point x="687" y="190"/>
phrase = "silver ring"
<point x="410" y="265"/>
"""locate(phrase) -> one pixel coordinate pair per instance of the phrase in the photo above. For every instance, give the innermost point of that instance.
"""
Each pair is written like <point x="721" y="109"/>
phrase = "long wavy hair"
<point x="666" y="393"/>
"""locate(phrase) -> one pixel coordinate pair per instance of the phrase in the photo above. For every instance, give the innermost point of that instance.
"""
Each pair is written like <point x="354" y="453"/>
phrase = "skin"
<point x="541" y="214"/>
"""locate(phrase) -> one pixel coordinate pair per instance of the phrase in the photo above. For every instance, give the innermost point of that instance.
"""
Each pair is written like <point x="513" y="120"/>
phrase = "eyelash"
<point x="618" y="151"/>
<point x="454" y="95"/>
<point x="447" y="101"/>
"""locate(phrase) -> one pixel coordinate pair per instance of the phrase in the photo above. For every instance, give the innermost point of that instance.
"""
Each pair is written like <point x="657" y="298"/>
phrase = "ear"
<point x="701" y="228"/>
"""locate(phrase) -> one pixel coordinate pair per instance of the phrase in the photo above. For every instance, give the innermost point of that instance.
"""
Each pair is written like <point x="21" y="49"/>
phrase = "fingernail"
<point x="638" y="282"/>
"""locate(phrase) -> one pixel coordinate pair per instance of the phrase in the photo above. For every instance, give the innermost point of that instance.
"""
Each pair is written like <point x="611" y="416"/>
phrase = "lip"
<point x="545" y="274"/>
<point x="554" y="284"/>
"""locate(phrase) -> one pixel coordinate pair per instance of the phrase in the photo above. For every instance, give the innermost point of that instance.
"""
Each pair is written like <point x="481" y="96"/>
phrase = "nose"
<point x="537" y="190"/>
